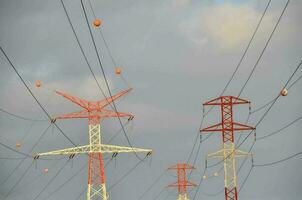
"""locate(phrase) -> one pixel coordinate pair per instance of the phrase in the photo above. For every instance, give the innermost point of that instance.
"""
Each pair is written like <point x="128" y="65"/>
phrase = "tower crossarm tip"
<point x="110" y="114"/>
<point x="105" y="148"/>
<point x="228" y="152"/>
<point x="68" y="151"/>
<point x="224" y="100"/>
<point x="107" y="101"/>
<point x="182" y="166"/>
<point x="80" y="102"/>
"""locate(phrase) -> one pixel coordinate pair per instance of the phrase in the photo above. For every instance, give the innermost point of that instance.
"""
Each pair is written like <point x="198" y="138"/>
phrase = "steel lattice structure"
<point x="182" y="182"/>
<point x="229" y="152"/>
<point x="94" y="112"/>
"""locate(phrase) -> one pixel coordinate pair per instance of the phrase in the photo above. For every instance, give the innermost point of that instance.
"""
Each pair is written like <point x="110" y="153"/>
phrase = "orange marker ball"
<point x="38" y="83"/>
<point x="284" y="92"/>
<point x="18" y="145"/>
<point x="97" y="22"/>
<point x="118" y="71"/>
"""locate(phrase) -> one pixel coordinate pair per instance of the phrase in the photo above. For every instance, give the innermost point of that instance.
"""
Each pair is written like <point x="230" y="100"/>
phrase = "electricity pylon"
<point x="229" y="152"/>
<point x="182" y="182"/>
<point x="94" y="112"/>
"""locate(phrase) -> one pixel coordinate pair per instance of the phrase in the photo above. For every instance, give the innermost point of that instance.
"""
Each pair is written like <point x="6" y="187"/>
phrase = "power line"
<point x="200" y="181"/>
<point x="126" y="174"/>
<point x="21" y="117"/>
<point x="291" y="85"/>
<point x="299" y="65"/>
<point x="20" y="163"/>
<point x="267" y="111"/>
<point x="246" y="178"/>
<point x="105" y="78"/>
<point x="271" y="101"/>
<point x="213" y="194"/>
<point x="152" y="185"/>
<point x="267" y="165"/>
<point x="158" y="195"/>
<point x="247" y="47"/>
<point x="27" y="184"/>
<point x="265" y="114"/>
<point x="18" y="181"/>
<point x="66" y="182"/>
<point x="281" y="129"/>
<point x="236" y="69"/>
<point x="107" y="47"/>
<point x="31" y="93"/>
<point x="82" y="50"/>
<point x="263" y="50"/>
<point x="50" y="181"/>
<point x="278" y="161"/>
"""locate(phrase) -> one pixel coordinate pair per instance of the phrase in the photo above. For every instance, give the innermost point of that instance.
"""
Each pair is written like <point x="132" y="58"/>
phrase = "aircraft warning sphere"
<point x="18" y="145"/>
<point x="284" y="92"/>
<point x="45" y="170"/>
<point x="118" y="71"/>
<point x="97" y="22"/>
<point x="38" y="83"/>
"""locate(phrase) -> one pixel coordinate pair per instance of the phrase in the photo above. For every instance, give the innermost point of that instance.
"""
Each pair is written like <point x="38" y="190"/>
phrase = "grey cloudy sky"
<point x="176" y="54"/>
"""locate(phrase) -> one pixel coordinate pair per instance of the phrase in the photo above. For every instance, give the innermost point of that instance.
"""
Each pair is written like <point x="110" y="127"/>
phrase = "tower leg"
<point x="96" y="178"/>
<point x="230" y="177"/>
<point x="183" y="197"/>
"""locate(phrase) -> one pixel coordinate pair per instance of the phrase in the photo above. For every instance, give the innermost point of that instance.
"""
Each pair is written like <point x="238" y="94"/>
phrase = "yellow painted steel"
<point x="182" y="197"/>
<point x="229" y="155"/>
<point x="95" y="146"/>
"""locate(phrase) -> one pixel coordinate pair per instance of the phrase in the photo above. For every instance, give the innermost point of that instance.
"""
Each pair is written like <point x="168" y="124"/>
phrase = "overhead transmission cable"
<point x="107" y="47"/>
<point x="126" y="174"/>
<point x="105" y="78"/>
<point x="279" y="19"/>
<point x="82" y="50"/>
<point x="267" y="111"/>
<point x="263" y="50"/>
<point x="51" y="180"/>
<point x="236" y="69"/>
<point x="30" y="151"/>
<point x="18" y="181"/>
<point x="153" y="184"/>
<point x="21" y="117"/>
<point x="31" y="93"/>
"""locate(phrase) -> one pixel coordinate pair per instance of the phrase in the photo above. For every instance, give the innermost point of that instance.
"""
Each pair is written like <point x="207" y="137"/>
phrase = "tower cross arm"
<point x="107" y="101"/>
<point x="181" y="166"/>
<point x="236" y="127"/>
<point x="236" y="152"/>
<point x="68" y="151"/>
<point x="111" y="113"/>
<point x="80" y="102"/>
<point x="106" y="148"/>
<point x="242" y="127"/>
<point x="229" y="100"/>
<point x="215" y="127"/>
<point x="73" y="115"/>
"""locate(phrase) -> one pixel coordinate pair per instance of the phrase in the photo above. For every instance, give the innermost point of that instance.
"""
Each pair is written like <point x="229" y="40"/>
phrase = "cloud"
<point x="225" y="25"/>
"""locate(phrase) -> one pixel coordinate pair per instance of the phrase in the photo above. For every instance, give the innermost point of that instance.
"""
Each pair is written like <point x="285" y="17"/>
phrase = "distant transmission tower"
<point x="182" y="182"/>
<point x="229" y="151"/>
<point x="94" y="112"/>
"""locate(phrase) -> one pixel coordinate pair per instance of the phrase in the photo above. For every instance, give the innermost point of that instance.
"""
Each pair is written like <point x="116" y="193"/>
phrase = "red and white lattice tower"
<point x="94" y="112"/>
<point x="182" y="182"/>
<point x="229" y="152"/>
